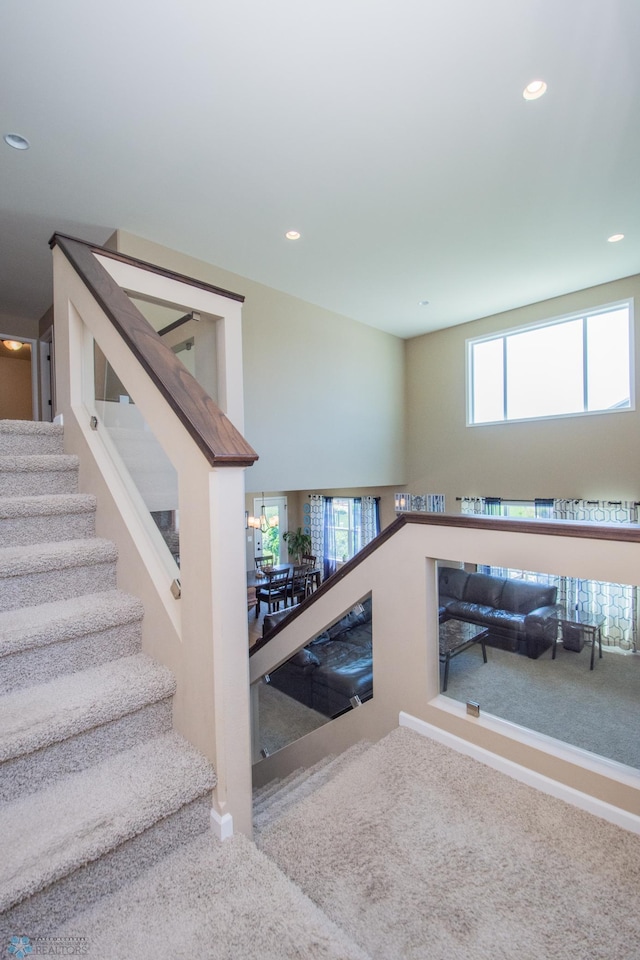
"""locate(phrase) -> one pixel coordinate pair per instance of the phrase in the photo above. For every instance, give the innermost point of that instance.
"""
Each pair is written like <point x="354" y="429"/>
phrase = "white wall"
<point x="595" y="457"/>
<point x="324" y="395"/>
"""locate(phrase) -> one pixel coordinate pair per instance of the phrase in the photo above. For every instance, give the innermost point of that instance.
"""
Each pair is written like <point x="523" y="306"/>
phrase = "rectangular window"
<point x="572" y="365"/>
<point x="344" y="525"/>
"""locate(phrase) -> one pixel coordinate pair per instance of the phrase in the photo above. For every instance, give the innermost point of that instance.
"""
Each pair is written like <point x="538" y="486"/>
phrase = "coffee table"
<point x="455" y="637"/>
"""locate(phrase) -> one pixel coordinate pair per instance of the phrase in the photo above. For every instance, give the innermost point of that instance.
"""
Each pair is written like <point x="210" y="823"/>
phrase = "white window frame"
<point x="353" y="535"/>
<point x="578" y="315"/>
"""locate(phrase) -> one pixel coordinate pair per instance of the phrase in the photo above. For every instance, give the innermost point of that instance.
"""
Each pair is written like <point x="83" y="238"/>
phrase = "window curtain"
<point x="485" y="506"/>
<point x="367" y="520"/>
<point x="616" y="602"/>
<point x="472" y="505"/>
<point x="321" y="524"/>
<point x="598" y="511"/>
<point x="329" y="539"/>
<point x="316" y="525"/>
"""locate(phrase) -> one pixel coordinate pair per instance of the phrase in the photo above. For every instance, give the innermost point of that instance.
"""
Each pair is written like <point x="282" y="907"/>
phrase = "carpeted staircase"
<point x="393" y="850"/>
<point x="276" y="798"/>
<point x="94" y="782"/>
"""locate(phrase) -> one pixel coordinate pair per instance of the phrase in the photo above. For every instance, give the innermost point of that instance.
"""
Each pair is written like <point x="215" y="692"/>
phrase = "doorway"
<point x="269" y="540"/>
<point x="18" y="379"/>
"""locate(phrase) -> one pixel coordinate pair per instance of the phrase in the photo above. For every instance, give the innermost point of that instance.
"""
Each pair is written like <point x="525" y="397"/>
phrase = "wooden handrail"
<point x="220" y="442"/>
<point x="622" y="532"/>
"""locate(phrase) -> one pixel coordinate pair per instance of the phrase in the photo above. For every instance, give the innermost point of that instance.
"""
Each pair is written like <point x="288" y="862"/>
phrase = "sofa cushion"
<point x="483" y="589"/>
<point x="473" y="612"/>
<point x="335" y="682"/>
<point x="521" y="596"/>
<point x="452" y="581"/>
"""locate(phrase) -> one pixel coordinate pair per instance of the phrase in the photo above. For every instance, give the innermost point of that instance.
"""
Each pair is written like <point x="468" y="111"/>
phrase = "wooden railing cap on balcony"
<point x="623" y="532"/>
<point x="220" y="442"/>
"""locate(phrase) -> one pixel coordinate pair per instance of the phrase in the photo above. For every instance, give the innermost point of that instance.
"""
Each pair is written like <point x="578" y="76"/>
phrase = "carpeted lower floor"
<point x="597" y="710"/>
<point x="412" y="852"/>
<point x="419" y="852"/>
<point x="215" y="901"/>
<point x="283" y="719"/>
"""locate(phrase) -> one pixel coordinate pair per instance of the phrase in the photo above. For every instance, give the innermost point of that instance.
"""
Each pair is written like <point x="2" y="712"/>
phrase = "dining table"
<point x="256" y="579"/>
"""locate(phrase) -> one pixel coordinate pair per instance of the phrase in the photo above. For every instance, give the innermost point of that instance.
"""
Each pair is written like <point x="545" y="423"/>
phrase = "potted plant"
<point x="297" y="543"/>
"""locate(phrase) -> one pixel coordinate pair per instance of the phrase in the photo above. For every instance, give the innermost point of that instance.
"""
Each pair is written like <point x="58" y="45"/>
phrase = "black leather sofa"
<point x="520" y="615"/>
<point x="334" y="667"/>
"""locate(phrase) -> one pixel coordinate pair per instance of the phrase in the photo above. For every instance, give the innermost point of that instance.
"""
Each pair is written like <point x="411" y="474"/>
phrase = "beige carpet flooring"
<point x="210" y="901"/>
<point x="420" y="853"/>
<point x="410" y="852"/>
<point x="597" y="710"/>
<point x="283" y="719"/>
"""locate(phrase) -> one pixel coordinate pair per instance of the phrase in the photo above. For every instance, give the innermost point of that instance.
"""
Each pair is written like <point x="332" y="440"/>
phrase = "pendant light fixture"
<point x="261" y="523"/>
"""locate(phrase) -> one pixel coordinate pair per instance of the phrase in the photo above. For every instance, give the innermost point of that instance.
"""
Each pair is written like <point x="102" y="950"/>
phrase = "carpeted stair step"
<point x="266" y="794"/>
<point x="221" y="901"/>
<point x="305" y="784"/>
<point x="261" y="794"/>
<point x="23" y="437"/>
<point x="55" y="728"/>
<point x="38" y="475"/>
<point x="45" y="519"/>
<point x="84" y="816"/>
<point x="30" y="575"/>
<point x="271" y="793"/>
<point x="40" y="643"/>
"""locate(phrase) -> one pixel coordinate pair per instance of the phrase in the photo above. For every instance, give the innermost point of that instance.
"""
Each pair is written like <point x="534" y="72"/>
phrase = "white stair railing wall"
<point x="401" y="574"/>
<point x="202" y="635"/>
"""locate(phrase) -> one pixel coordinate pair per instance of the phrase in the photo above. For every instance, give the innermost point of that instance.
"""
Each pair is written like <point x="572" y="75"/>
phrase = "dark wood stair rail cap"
<point x="621" y="532"/>
<point x="220" y="442"/>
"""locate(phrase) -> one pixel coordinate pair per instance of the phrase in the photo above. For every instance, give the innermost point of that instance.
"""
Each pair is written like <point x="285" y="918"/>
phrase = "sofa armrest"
<point x="541" y="628"/>
<point x="542" y="614"/>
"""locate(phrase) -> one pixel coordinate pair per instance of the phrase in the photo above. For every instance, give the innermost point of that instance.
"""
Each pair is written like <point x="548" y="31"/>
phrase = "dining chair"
<point x="266" y="560"/>
<point x="313" y="579"/>
<point x="274" y="591"/>
<point x="300" y="583"/>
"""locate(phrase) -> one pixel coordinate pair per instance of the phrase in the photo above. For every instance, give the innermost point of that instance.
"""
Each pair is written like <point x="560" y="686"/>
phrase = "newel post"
<point x="215" y="636"/>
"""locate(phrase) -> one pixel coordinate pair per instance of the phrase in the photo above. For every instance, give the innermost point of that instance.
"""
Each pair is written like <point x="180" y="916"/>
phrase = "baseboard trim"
<point x="621" y="818"/>
<point x="222" y="826"/>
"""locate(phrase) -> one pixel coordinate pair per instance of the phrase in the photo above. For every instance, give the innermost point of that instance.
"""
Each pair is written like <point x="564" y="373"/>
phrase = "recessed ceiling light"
<point x="534" y="90"/>
<point x="292" y="235"/>
<point x="615" y="237"/>
<point x="16" y="141"/>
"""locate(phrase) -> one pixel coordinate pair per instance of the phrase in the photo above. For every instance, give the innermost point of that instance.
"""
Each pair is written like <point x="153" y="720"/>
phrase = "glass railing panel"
<point x="137" y="453"/>
<point x="190" y="334"/>
<point x="561" y="653"/>
<point x="331" y="675"/>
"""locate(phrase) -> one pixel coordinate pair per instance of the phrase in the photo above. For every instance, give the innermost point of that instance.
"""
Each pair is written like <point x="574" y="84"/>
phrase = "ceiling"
<point x="391" y="133"/>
